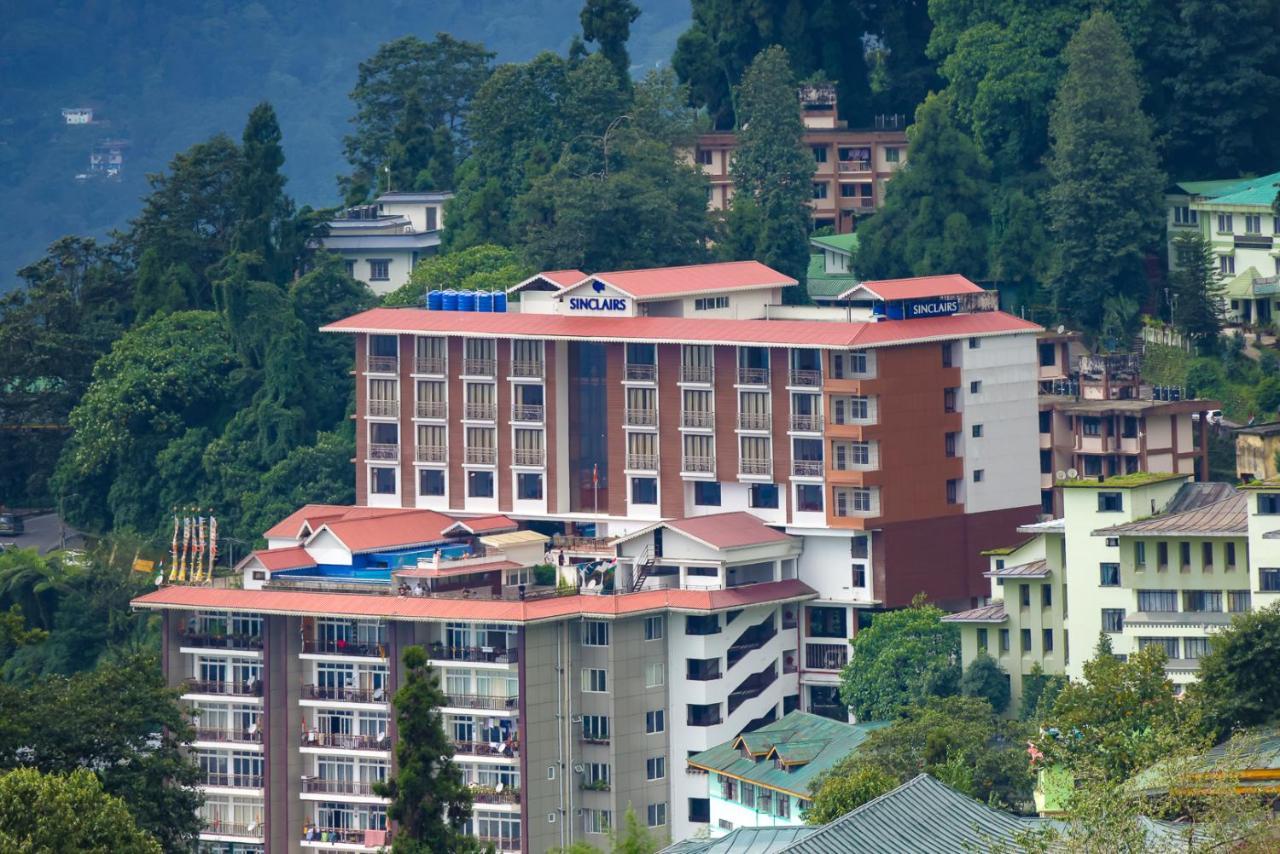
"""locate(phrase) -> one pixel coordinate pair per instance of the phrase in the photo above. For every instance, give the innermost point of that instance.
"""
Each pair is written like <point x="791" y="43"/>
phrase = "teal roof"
<point x="820" y="285"/>
<point x="839" y="242"/>
<point x="744" y="840"/>
<point x="1250" y="192"/>
<point x="1207" y="189"/>
<point x="788" y="754"/>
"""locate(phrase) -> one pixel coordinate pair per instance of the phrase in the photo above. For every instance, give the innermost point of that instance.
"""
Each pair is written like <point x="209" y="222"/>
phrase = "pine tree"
<point x="772" y="169"/>
<point x="420" y="156"/>
<point x="1199" y="309"/>
<point x="1106" y="205"/>
<point x="608" y="23"/>
<point x="429" y="801"/>
<point x="263" y="210"/>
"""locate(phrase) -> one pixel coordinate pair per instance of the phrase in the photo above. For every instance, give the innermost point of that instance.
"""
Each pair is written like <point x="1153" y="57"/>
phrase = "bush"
<point x="986" y="679"/>
<point x="544" y="575"/>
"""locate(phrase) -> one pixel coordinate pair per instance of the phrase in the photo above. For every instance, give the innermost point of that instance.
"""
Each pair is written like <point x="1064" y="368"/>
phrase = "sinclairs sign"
<point x="600" y="303"/>
<point x="917" y="308"/>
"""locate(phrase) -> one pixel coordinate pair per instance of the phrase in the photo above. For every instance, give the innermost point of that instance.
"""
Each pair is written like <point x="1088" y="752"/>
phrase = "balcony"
<point x="753" y="376"/>
<point x="344" y="741"/>
<point x="641" y="373"/>
<point x="752" y="687"/>
<point x="697" y="418"/>
<point x="384" y="409"/>
<point x="826" y="656"/>
<point x="373" y="839"/>
<point x="640" y="417"/>
<point x="219" y="640"/>
<point x="486" y="748"/>
<point x="703" y="671"/>
<point x="247" y="688"/>
<point x="528" y="457"/>
<point x="806" y="423"/>
<point x="805" y="378"/>
<point x="484" y="654"/>
<point x="344" y="693"/>
<point x="499" y="843"/>
<point x="429" y="365"/>
<point x="698" y="465"/>
<point x="492" y="796"/>
<point x="642" y="462"/>
<point x="526" y="368"/>
<point x="432" y="454"/>
<point x="1253" y="241"/>
<point x="754" y="420"/>
<point x="232" y="781"/>
<point x="527" y="412"/>
<point x="323" y="786"/>
<point x="481" y="456"/>
<point x="228" y="735"/>
<point x="432" y="409"/>
<point x="751" y="640"/>
<point x="252" y="831"/>
<point x="473" y="367"/>
<point x="480" y="412"/>
<point x="342" y="646"/>
<point x="853" y="167"/>
<point x="755" y="468"/>
<point x="703" y="716"/>
<point x="382" y="364"/>
<point x="480" y="701"/>
<point x="702" y="374"/>
<point x="384" y="452"/>
<point x="806" y="468"/>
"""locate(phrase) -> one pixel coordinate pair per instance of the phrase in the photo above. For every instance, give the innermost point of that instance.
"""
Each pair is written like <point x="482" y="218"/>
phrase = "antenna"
<point x="1073" y="474"/>
<point x="1062" y="475"/>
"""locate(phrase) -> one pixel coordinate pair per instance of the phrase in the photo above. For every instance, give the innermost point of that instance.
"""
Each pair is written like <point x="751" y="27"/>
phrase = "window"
<point x="1195" y="648"/>
<point x="595" y="633"/>
<point x="1025" y="637"/>
<point x="1224" y="223"/>
<point x="782" y="805"/>
<point x="704" y="157"/>
<point x="1113" y="620"/>
<point x="1110" y="502"/>
<point x="1047" y="639"/>
<point x="654" y="627"/>
<point x="953" y="491"/>
<point x="859" y="578"/>
<point x="351" y="268"/>
<point x="819" y="154"/>
<point x="655" y="768"/>
<point x="382" y="481"/>
<point x="432" y="218"/>
<point x="950" y="444"/>
<point x="430" y="482"/>
<point x="1163" y="601"/>
<point x="1169" y="645"/>
<point x="706" y="493"/>
<point x="809" y="498"/>
<point x="595" y="680"/>
<point x="1253" y="224"/>
<point x="949" y="400"/>
<point x="655" y="721"/>
<point x="597" y="821"/>
<point x="1046" y="595"/>
<point x="1229" y="552"/>
<point x="975" y="387"/>
<point x="827" y="622"/>
<point x="655" y="675"/>
<point x="947" y="359"/>
<point x="764" y="496"/>
<point x="644" y="490"/>
<point x="700" y="810"/>
<point x="702" y="624"/>
<point x="891" y="154"/>
<point x="595" y="727"/>
<point x="379" y="270"/>
<point x="848" y="191"/>
<point x="1238" y="601"/>
<point x="975" y="343"/>
<point x="1004" y="640"/>
<point x="1162" y="554"/>
<point x="982" y="640"/>
<point x="657" y="814"/>
<point x="1202" y="601"/>
<point x="1185" y="215"/>
<point x="819" y="190"/>
<point x="1139" y="553"/>
<point x="710" y="303"/>
<point x="1269" y="579"/>
<point x="529" y="486"/>
<point x="480" y="484"/>
<point x="1269" y="504"/>
<point x="1110" y="573"/>
<point x="1227" y="265"/>
<point x="978" y="475"/>
<point x="1024" y="595"/>
<point x="977" y="431"/>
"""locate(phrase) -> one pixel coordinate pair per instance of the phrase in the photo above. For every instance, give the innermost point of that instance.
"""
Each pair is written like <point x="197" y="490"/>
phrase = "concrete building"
<point x="382" y="242"/>
<point x="1256" y="449"/>
<point x="851" y="165"/>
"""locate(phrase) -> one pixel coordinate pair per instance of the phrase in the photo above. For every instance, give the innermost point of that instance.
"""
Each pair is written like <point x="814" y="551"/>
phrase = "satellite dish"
<point x="1062" y="475"/>
<point x="1072" y="473"/>
<point x="1061" y="329"/>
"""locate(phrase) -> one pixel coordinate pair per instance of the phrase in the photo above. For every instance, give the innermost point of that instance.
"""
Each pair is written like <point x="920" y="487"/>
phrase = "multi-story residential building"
<point x="381" y="242"/>
<point x="831" y="274"/>
<point x="1256" y="449"/>
<point x="851" y="165"/>
<point x="1237" y="218"/>
<point x="1145" y="559"/>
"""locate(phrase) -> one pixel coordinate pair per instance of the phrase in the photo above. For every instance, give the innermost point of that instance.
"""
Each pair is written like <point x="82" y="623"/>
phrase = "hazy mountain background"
<point x="166" y="75"/>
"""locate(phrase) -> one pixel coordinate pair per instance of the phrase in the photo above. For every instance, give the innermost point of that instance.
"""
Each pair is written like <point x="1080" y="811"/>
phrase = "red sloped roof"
<point x="563" y="278"/>
<point x="291" y="558"/>
<point x="403" y="528"/>
<point x="486" y="524"/>
<point x="766" y="333"/>
<point x="291" y="525"/>
<point x="695" y="279"/>
<point x="482" y="610"/>
<point x="728" y="530"/>
<point x="921" y="287"/>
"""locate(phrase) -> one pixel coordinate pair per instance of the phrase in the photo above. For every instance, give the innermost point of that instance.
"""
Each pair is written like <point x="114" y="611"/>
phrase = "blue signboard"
<point x="917" y="308"/>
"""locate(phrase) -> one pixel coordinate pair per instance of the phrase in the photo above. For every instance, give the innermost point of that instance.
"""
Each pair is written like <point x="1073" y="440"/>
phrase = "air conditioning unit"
<point x="578" y="769"/>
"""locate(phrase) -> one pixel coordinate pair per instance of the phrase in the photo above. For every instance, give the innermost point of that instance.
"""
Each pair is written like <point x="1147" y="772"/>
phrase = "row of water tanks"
<point x="450" y="300"/>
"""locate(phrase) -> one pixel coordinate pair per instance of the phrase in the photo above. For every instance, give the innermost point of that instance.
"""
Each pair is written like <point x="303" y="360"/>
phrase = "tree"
<point x="771" y="167"/>
<point x="428" y="798"/>
<point x="1199" y="309"/>
<point x="480" y="267"/>
<point x="633" y="837"/>
<point x="987" y="680"/>
<point x="835" y="794"/>
<point x="1039" y="690"/>
<point x="263" y="210"/>
<point x="420" y="157"/>
<point x="902" y="658"/>
<point x="1106" y="206"/>
<point x="319" y="473"/>
<point x="608" y="24"/>
<point x="1238" y="684"/>
<point x="936" y="215"/>
<point x="60" y="814"/>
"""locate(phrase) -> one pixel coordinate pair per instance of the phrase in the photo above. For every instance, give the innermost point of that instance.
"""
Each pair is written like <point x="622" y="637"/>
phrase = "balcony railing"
<point x="344" y="741"/>
<point x="473" y="367"/>
<point x="754" y="420"/>
<point x="432" y="454"/>
<point x="526" y="368"/>
<point x="697" y="418"/>
<point x="751" y="640"/>
<point x="528" y="456"/>
<point x="328" y="646"/>
<point x="384" y="452"/>
<point x="480" y="412"/>
<point x="481" y="456"/>
<point x="432" y="409"/>
<point x="806" y="423"/>
<point x="383" y="364"/>
<point x="480" y="701"/>
<point x="500" y="843"/>
<point x="488" y="654"/>
<point x="705" y="718"/>
<point x="1253" y="241"/>
<point x="490" y="796"/>
<point x="753" y="376"/>
<point x="429" y="365"/>
<point x="696" y="373"/>
<point x="247" y="688"/>
<point x="826" y="656"/>
<point x="234" y="781"/>
<point x="349" y="836"/>
<point x="486" y="748"/>
<point x="698" y="465"/>
<point x="642" y="462"/>
<point x="529" y="412"/>
<point x="641" y="373"/>
<point x="806" y="468"/>
<point x="752" y="688"/>
<point x="755" y="468"/>
<point x="706" y="674"/>
<point x="344" y="693"/>
<point x="846" y="167"/>
<point x="806" y="378"/>
<point x="322" y="786"/>
<point x="253" y="830"/>
<point x="384" y="408"/>
<point x="231" y="735"/>
<point x="213" y="640"/>
<point x="641" y="417"/>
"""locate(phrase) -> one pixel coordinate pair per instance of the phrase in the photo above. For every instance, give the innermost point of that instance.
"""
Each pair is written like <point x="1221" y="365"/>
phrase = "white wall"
<point x="1005" y="405"/>
<point x="826" y="565"/>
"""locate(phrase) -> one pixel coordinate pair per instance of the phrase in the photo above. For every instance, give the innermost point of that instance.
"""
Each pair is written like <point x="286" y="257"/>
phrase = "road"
<point x="44" y="533"/>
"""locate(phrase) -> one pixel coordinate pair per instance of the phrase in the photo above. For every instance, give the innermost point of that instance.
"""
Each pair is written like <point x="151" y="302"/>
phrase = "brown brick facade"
<point x="362" y="426"/>
<point x="408" y="434"/>
<point x="457" y="476"/>
<point x="670" y="441"/>
<point x="503" y="477"/>
<point x="726" y="400"/>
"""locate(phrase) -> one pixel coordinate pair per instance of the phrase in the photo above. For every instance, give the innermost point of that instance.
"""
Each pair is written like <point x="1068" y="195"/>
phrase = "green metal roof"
<point x="1207" y="189"/>
<point x="822" y="285"/>
<point x="744" y="840"/>
<point x="1250" y="192"/>
<point x="806" y="744"/>
<point x="839" y="242"/>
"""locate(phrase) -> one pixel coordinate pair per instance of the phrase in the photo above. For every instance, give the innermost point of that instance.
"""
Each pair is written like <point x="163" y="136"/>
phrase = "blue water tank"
<point x="484" y="301"/>
<point x="467" y="301"/>
<point x="449" y="301"/>
<point x="500" y="301"/>
<point x="435" y="300"/>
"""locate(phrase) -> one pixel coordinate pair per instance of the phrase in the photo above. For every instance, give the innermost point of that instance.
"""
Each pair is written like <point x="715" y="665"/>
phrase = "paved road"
<point x="45" y="534"/>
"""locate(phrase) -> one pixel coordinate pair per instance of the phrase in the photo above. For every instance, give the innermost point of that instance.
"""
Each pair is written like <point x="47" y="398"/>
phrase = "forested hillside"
<point x="164" y="76"/>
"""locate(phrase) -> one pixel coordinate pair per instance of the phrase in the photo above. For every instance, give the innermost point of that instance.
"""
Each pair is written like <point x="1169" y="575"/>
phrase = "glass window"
<point x="1239" y="601"/>
<point x="1269" y="504"/>
<point x="595" y="727"/>
<point x="1047" y="639"/>
<point x="655" y="768"/>
<point x="657" y="814"/>
<point x="1139" y="553"/>
<point x="1169" y="645"/>
<point x="480" y="484"/>
<point x="1163" y="601"/>
<point x="809" y="498"/>
<point x="1201" y="601"/>
<point x="1110" y="502"/>
<point x="595" y="680"/>
<point x="595" y="633"/>
<point x="825" y="622"/>
<point x="1195" y="648"/>
<point x="1269" y="580"/>
<point x="764" y="496"/>
<point x="1025" y="637"/>
<point x="379" y="269"/>
<point x="382" y="481"/>
<point x="644" y="490"/>
<point x="430" y="482"/>
<point x="655" y="675"/>
<point x="654" y="627"/>
<point x="706" y="493"/>
<point x="655" y="721"/>
<point x="1004" y="640"/>
<point x="1110" y="573"/>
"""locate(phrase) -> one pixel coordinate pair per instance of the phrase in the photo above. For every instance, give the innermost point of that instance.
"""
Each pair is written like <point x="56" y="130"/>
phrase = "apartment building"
<point x="381" y="242"/>
<point x="1145" y="559"/>
<point x="851" y="165"/>
<point x="1237" y="218"/>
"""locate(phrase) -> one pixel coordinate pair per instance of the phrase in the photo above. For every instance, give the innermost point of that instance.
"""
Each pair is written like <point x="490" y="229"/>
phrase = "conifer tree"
<point x="1199" y="309"/>
<point x="262" y="207"/>
<point x="608" y="23"/>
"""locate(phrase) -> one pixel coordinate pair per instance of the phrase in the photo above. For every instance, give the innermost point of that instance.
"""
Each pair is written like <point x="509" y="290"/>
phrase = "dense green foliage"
<point x="483" y="267"/>
<point x="55" y="813"/>
<point x="1239" y="684"/>
<point x="987" y="680"/>
<point x="847" y="788"/>
<point x="1199" y="298"/>
<point x="1248" y="388"/>
<point x="902" y="658"/>
<point x="1039" y="690"/>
